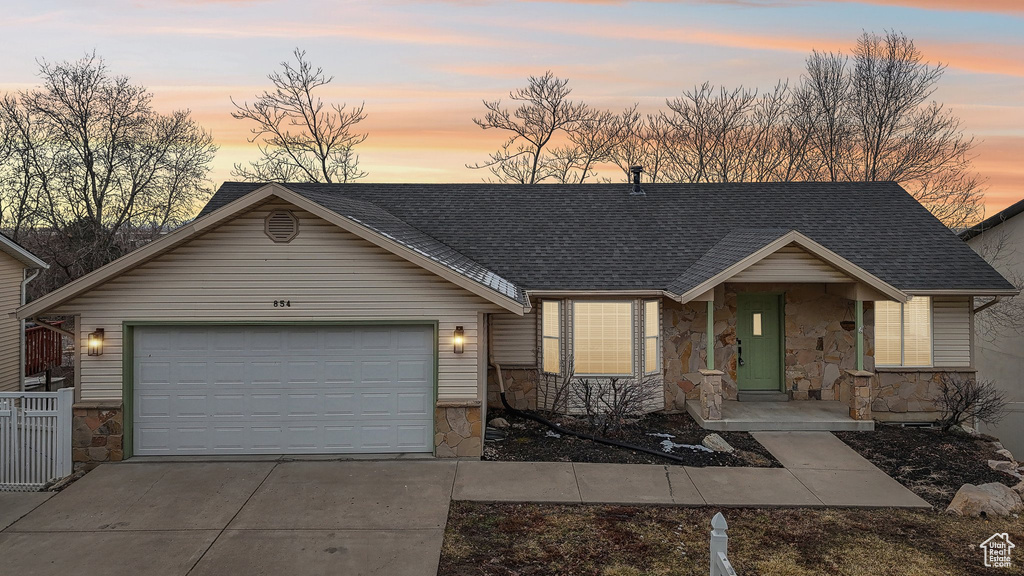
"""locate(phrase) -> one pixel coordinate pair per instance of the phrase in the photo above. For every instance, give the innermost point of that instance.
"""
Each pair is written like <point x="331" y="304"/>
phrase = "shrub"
<point x="964" y="399"/>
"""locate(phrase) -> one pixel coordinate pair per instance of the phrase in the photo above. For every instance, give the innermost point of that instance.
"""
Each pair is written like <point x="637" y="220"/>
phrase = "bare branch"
<point x="300" y="138"/>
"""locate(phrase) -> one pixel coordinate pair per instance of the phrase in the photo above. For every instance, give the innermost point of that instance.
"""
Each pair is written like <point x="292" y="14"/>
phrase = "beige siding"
<point x="791" y="264"/>
<point x="951" y="327"/>
<point x="11" y="274"/>
<point x="234" y="273"/>
<point x="515" y="339"/>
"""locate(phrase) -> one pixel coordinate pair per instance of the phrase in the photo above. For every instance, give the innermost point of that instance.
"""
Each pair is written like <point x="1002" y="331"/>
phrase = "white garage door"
<point x="283" y="389"/>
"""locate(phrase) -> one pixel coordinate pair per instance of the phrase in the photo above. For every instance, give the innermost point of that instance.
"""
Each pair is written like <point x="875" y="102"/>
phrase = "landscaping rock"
<point x="1005" y="454"/>
<point x="498" y="423"/>
<point x="992" y="499"/>
<point x="716" y="443"/>
<point x="1019" y="488"/>
<point x="1004" y="466"/>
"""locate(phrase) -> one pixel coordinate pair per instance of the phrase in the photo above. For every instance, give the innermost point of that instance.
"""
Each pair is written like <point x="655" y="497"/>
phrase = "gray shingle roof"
<point x="599" y="237"/>
<point x="733" y="247"/>
<point x="381" y="221"/>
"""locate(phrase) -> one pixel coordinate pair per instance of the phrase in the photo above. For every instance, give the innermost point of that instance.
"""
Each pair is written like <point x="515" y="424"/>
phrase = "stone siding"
<point x="908" y="396"/>
<point x="520" y="387"/>
<point x="458" y="431"/>
<point x="97" y="434"/>
<point x="817" y="348"/>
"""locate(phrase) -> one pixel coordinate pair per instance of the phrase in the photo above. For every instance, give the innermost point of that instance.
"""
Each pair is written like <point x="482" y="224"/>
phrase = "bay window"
<point x="903" y="333"/>
<point x="652" y="337"/>
<point x="551" y="334"/>
<point x="602" y="340"/>
<point x="620" y="338"/>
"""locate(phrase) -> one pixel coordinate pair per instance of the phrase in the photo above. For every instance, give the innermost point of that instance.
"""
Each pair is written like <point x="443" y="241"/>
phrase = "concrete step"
<point x="762" y="397"/>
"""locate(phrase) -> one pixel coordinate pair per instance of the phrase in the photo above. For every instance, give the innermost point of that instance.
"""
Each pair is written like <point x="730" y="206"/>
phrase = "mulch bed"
<point x="931" y="464"/>
<point x="529" y="441"/>
<point x="536" y="539"/>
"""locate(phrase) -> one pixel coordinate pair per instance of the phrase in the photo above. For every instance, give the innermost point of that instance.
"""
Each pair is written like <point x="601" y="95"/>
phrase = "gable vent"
<point x="281" y="226"/>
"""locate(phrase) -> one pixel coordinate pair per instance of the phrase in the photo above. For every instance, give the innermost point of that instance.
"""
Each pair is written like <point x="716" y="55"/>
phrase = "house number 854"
<point x="282" y="303"/>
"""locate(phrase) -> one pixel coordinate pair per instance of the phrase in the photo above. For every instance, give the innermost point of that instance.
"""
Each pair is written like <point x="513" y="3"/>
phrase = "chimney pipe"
<point x="637" y="170"/>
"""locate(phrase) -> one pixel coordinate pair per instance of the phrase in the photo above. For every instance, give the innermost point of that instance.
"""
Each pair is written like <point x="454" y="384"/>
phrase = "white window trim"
<point x="560" y="304"/>
<point x="648" y="371"/>
<point x="632" y="338"/>
<point x="903" y="354"/>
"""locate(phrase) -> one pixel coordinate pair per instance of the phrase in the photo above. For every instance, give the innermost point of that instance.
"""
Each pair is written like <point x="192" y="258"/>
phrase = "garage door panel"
<point x="268" y="390"/>
<point x="413" y="403"/>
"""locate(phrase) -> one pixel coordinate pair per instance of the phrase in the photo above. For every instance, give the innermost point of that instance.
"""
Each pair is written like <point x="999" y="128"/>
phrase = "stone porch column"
<point x="860" y="394"/>
<point x="711" y="394"/>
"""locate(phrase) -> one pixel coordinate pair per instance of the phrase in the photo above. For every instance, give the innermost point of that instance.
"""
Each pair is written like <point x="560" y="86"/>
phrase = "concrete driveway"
<point x="203" y="518"/>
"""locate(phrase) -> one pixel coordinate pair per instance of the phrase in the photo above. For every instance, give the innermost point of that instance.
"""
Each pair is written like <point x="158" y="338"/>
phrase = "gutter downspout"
<point x="995" y="300"/>
<point x="21" y="323"/>
<point x="556" y="427"/>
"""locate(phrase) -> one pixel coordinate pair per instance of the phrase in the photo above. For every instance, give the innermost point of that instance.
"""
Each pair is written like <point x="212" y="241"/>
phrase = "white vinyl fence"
<point x="720" y="565"/>
<point x="35" y="438"/>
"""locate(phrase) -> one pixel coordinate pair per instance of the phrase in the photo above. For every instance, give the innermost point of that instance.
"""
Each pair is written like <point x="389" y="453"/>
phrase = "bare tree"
<point x="1005" y="317"/>
<point x="904" y="136"/>
<point x="300" y="138"/>
<point x="647" y="142"/>
<point x="823" y="100"/>
<point x="607" y="403"/>
<point x="964" y="399"/>
<point x="95" y="168"/>
<point x="554" y="395"/>
<point x="19" y="176"/>
<point x="593" y="142"/>
<point x="544" y="111"/>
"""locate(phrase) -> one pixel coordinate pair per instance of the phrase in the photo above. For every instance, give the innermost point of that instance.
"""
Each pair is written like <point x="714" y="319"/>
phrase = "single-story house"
<point x="18" y="267"/>
<point x="1000" y="346"/>
<point x="308" y="318"/>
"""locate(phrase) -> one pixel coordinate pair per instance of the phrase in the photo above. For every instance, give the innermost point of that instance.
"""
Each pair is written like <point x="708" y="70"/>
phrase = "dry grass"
<point x="535" y="539"/>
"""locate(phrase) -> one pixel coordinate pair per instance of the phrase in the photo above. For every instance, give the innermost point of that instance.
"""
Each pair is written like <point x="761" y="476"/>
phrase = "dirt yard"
<point x="534" y="539"/>
<point x="529" y="441"/>
<point x="931" y="464"/>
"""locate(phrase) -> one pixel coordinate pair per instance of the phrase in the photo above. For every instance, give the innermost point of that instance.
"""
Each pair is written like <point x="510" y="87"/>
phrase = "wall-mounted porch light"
<point x="96" y="342"/>
<point x="459" y="340"/>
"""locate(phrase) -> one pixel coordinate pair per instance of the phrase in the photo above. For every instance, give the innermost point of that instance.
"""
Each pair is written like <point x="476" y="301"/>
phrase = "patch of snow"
<point x="669" y="446"/>
<point x="661" y="435"/>
<point x="551" y="434"/>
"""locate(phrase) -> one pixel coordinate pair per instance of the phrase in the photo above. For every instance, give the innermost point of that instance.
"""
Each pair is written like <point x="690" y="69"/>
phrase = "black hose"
<point x="591" y="437"/>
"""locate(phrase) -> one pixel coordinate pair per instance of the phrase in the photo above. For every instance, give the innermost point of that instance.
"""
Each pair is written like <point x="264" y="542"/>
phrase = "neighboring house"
<point x="1000" y="347"/>
<point x="369" y="317"/>
<point x="17" y="267"/>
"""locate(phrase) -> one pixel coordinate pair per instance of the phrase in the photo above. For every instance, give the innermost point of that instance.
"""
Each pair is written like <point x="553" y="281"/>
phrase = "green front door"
<point x="759" y="340"/>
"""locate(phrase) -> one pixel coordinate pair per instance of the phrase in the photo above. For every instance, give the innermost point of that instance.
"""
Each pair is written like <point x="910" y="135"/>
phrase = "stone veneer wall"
<point x="520" y="387"/>
<point x="97" y="433"/>
<point x="818" y="349"/>
<point x="908" y="396"/>
<point x="458" y="431"/>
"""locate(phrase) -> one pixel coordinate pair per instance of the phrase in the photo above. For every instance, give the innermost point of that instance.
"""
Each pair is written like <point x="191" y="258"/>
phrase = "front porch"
<point x="823" y="415"/>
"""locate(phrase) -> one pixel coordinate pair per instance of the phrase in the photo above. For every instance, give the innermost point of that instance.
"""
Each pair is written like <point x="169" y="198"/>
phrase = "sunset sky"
<point x="423" y="68"/>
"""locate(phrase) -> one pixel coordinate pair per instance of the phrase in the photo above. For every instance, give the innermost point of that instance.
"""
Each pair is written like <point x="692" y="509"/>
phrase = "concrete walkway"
<point x="820" y="470"/>
<point x="372" y="517"/>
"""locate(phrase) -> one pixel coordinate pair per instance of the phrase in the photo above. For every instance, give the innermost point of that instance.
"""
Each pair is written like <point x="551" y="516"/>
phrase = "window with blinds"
<point x="551" y="335"/>
<point x="603" y="338"/>
<point x="903" y="333"/>
<point x="652" y="337"/>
